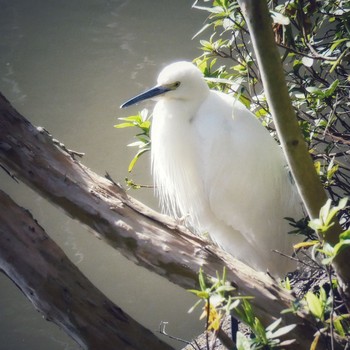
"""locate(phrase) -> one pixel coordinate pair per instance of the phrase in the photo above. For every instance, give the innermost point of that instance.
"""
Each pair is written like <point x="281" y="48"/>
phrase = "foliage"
<point x="142" y="123"/>
<point x="218" y="300"/>
<point x="325" y="307"/>
<point x="264" y="338"/>
<point x="314" y="42"/>
<point x="322" y="305"/>
<point x="322" y="224"/>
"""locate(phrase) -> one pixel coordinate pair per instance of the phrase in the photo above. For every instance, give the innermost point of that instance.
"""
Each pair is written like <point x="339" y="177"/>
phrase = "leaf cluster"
<point x="322" y="224"/>
<point x="262" y="338"/>
<point x="218" y="299"/>
<point x="325" y="307"/>
<point x="321" y="306"/>
<point x="314" y="41"/>
<point x="142" y="123"/>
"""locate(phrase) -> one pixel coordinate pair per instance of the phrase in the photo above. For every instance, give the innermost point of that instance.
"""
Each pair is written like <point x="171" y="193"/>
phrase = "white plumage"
<point x="214" y="163"/>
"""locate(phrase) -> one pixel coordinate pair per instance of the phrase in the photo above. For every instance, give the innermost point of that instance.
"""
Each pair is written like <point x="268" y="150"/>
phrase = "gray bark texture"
<point x="57" y="288"/>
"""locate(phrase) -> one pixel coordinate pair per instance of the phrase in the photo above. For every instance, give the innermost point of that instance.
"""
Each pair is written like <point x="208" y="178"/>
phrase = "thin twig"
<point x="315" y="55"/>
<point x="331" y="321"/>
<point x="207" y="322"/>
<point x="162" y="331"/>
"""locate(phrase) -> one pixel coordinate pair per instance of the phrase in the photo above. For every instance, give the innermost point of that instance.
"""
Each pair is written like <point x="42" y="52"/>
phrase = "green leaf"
<point x="225" y="288"/>
<point x="325" y="211"/>
<point x="307" y="61"/>
<point x="283" y="331"/>
<point x="337" y="321"/>
<point x="274" y="325"/>
<point x="296" y="65"/>
<point x="314" y="90"/>
<point x="345" y="235"/>
<point x="337" y="43"/>
<point x="145" y="124"/>
<point x="216" y="9"/>
<point x="233" y="305"/>
<point x="206" y="45"/>
<point x="261" y="112"/>
<point x="199" y="293"/>
<point x="206" y="26"/>
<point x="331" y="89"/>
<point x="315" y="305"/>
<point x="279" y="18"/>
<point x="344" y="243"/>
<point x="342" y="204"/>
<point x="124" y="125"/>
<point x="330" y="212"/>
<point x="201" y="279"/>
<point x="135" y="159"/>
<point x="132" y="163"/>
<point x="286" y="343"/>
<point x="339" y="327"/>
<point x="260" y="331"/>
<point x="195" y="305"/>
<point x="136" y="143"/>
<point x="327" y="261"/>
<point x="243" y="343"/>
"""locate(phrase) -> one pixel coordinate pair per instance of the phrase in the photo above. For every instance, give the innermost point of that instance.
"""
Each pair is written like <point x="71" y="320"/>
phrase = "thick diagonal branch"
<point x="60" y="291"/>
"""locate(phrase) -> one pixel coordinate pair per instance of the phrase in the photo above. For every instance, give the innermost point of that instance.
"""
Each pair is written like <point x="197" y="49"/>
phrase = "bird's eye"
<point x="177" y="84"/>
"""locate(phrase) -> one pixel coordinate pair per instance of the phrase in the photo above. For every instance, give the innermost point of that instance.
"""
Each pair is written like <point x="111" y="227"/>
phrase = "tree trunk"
<point x="60" y="291"/>
<point x="142" y="235"/>
<point x="302" y="167"/>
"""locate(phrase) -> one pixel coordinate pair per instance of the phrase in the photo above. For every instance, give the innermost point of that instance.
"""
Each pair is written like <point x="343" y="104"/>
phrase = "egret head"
<point x="177" y="81"/>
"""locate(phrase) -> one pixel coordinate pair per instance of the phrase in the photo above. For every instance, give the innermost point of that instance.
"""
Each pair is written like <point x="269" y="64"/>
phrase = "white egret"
<point x="213" y="162"/>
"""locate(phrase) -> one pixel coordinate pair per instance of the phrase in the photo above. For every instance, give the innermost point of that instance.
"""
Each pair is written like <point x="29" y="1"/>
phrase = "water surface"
<point x="67" y="66"/>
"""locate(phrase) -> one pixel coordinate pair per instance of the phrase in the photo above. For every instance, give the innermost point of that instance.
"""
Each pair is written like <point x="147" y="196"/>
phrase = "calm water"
<point x="67" y="65"/>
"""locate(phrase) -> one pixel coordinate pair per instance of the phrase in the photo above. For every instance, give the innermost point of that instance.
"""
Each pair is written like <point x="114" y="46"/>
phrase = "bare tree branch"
<point x="60" y="291"/>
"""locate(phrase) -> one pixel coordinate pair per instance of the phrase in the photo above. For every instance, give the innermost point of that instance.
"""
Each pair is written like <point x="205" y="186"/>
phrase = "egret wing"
<point x="245" y="176"/>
